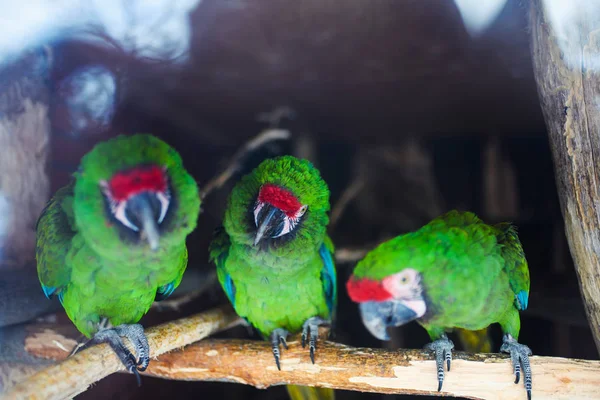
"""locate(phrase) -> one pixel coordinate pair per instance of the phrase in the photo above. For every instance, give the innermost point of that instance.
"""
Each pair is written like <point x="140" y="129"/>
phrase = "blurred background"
<point x="409" y="109"/>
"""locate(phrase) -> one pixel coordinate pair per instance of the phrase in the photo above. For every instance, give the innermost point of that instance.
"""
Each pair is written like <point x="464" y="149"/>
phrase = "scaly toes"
<point x="135" y="334"/>
<point x="443" y="352"/>
<point x="278" y="336"/>
<point x="111" y="337"/>
<point x="519" y="355"/>
<point x="311" y="328"/>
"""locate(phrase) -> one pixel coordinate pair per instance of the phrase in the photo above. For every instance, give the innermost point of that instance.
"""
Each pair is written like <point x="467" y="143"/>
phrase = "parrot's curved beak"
<point x="142" y="209"/>
<point x="377" y="316"/>
<point x="270" y="222"/>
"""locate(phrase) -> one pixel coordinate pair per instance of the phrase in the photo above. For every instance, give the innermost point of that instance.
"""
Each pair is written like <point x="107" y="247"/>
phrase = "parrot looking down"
<point x="454" y="272"/>
<point x="274" y="259"/>
<point x="113" y="241"/>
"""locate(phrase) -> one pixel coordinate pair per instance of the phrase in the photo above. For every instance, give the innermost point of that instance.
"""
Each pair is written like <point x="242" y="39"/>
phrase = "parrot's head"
<point x="133" y="197"/>
<point x="279" y="207"/>
<point x="138" y="199"/>
<point x="392" y="301"/>
<point x="277" y="212"/>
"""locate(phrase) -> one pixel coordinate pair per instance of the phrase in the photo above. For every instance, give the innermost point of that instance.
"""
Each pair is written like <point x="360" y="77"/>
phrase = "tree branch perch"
<point x="475" y="376"/>
<point x="75" y="374"/>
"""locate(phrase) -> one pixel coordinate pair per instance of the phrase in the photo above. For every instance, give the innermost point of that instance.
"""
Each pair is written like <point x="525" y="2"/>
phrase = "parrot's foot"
<point x="311" y="327"/>
<point x="443" y="351"/>
<point x="83" y="343"/>
<point x="135" y="334"/>
<point x="519" y="354"/>
<point x="278" y="336"/>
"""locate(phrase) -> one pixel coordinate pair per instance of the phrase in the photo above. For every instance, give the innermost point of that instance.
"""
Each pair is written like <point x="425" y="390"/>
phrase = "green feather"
<point x="97" y="269"/>
<point x="280" y="287"/>
<point x="472" y="273"/>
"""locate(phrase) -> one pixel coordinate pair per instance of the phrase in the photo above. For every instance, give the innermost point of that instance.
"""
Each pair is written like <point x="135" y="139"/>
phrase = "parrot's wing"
<point x="166" y="290"/>
<point x="55" y="229"/>
<point x="515" y="263"/>
<point x="328" y="275"/>
<point x="218" y="252"/>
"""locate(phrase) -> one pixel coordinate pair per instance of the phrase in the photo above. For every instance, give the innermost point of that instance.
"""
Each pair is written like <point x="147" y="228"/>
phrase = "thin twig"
<point x="75" y="374"/>
<point x="475" y="376"/>
<point x="346" y="255"/>
<point x="265" y="136"/>
<point x="347" y="196"/>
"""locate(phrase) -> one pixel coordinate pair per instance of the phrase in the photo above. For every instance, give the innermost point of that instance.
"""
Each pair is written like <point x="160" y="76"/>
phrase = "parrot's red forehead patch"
<point x="280" y="198"/>
<point x="125" y="184"/>
<point x="361" y="290"/>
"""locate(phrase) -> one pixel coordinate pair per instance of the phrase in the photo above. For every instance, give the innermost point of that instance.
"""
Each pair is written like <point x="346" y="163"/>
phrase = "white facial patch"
<point x="404" y="285"/>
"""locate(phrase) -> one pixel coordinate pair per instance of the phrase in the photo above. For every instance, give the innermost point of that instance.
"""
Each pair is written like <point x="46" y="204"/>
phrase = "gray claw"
<point x="135" y="333"/>
<point x="519" y="355"/>
<point x="311" y="327"/>
<point x="443" y="351"/>
<point x="278" y="336"/>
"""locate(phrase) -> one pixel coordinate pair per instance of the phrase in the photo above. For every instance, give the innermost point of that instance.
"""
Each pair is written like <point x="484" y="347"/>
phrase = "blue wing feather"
<point x="229" y="289"/>
<point x="165" y="291"/>
<point x="328" y="278"/>
<point x="48" y="291"/>
<point x="219" y="250"/>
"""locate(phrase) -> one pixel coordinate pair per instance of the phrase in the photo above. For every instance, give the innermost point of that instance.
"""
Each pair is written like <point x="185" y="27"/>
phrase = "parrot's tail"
<point x="475" y="341"/>
<point x="310" y="393"/>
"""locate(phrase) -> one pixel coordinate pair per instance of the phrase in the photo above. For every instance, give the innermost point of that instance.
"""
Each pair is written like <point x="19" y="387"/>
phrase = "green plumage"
<point x="283" y="284"/>
<point x="473" y="274"/>
<point x="98" y="268"/>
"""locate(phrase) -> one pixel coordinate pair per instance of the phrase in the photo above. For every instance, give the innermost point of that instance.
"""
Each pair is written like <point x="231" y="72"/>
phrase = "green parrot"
<point x="274" y="259"/>
<point x="454" y="272"/>
<point x="113" y="241"/>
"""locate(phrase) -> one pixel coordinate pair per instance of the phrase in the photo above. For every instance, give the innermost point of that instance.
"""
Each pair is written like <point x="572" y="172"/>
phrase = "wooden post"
<point x="565" y="47"/>
<point x="24" y="148"/>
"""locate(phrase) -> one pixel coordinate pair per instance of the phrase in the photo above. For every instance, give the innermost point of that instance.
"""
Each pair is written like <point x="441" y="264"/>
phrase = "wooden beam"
<point x="75" y="374"/>
<point x="565" y="47"/>
<point x="474" y="376"/>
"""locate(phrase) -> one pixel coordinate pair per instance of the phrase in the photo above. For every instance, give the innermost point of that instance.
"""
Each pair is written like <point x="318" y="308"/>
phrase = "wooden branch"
<point x="265" y="136"/>
<point x="565" y="44"/>
<point x="75" y="374"/>
<point x="475" y="376"/>
<point x="478" y="376"/>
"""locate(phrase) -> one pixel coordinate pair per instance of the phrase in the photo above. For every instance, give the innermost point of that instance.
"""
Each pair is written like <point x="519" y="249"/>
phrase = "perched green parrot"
<point x="273" y="256"/>
<point x="113" y="241"/>
<point x="454" y="272"/>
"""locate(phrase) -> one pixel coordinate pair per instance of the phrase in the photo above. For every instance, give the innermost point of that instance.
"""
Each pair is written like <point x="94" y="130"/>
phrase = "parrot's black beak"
<point x="143" y="210"/>
<point x="269" y="222"/>
<point x="377" y="316"/>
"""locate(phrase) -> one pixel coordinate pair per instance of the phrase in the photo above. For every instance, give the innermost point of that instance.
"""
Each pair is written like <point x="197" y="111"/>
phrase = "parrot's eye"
<point x="301" y="211"/>
<point x="288" y="224"/>
<point x="404" y="279"/>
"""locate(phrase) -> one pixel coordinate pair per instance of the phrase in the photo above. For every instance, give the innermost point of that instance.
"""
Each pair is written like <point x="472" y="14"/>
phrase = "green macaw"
<point x="454" y="272"/>
<point x="113" y="241"/>
<point x="273" y="256"/>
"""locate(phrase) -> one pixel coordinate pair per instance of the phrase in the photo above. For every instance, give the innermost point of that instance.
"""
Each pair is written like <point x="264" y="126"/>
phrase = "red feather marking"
<point x="361" y="290"/>
<point x="128" y="183"/>
<point x="280" y="198"/>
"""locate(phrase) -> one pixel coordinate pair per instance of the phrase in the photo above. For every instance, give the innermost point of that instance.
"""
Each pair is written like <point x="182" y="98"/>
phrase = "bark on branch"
<point x="476" y="376"/>
<point x="565" y="43"/>
<point x="75" y="374"/>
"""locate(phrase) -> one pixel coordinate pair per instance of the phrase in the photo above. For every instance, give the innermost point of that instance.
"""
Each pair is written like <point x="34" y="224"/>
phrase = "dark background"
<point x="394" y="93"/>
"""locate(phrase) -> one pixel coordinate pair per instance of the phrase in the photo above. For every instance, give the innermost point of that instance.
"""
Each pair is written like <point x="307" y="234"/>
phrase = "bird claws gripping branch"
<point x="112" y="336"/>
<point x="519" y="354"/>
<point x="311" y="327"/>
<point x="278" y="336"/>
<point x="443" y="351"/>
